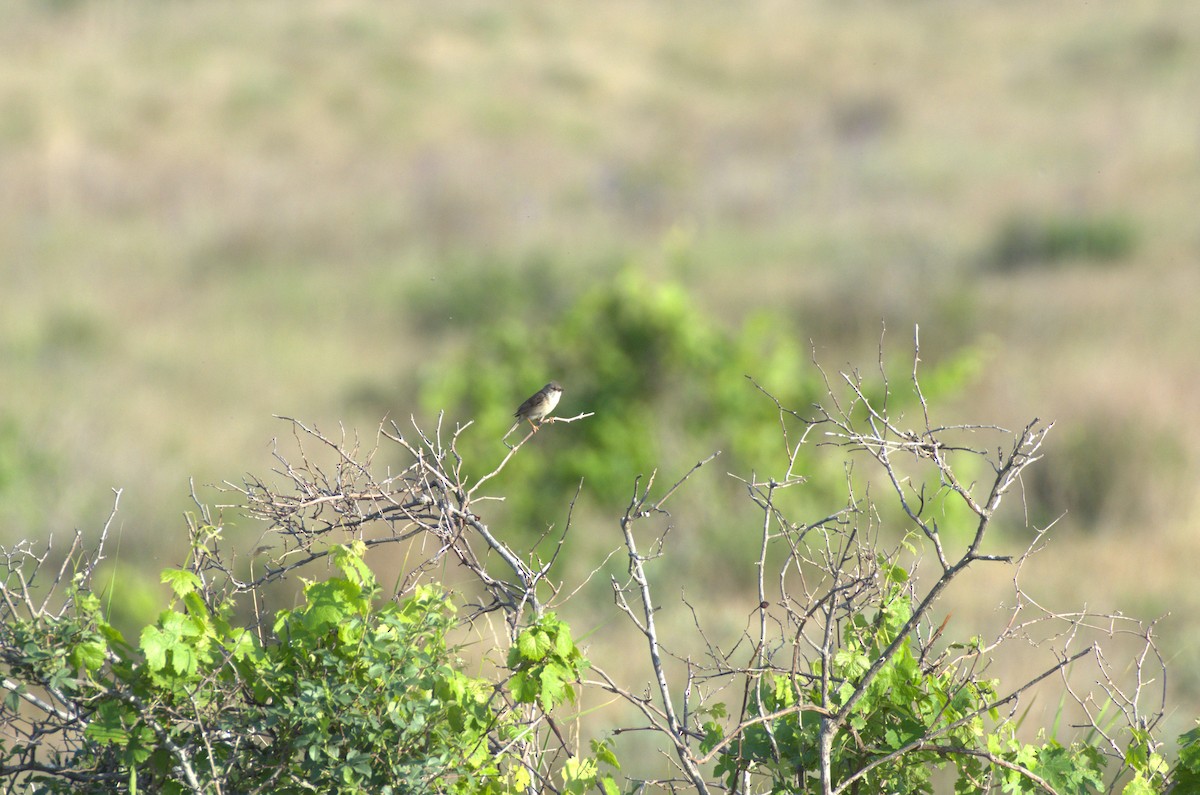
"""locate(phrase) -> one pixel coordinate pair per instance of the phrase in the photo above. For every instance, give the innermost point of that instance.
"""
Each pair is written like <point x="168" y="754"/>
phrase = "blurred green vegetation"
<point x="1028" y="240"/>
<point x="27" y="475"/>
<point x="1097" y="470"/>
<point x="668" y="385"/>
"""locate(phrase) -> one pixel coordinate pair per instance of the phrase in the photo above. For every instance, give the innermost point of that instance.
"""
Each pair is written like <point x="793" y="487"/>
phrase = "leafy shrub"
<point x="351" y="696"/>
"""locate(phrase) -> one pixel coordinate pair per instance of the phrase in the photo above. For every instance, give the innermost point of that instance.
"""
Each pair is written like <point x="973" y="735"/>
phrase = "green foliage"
<point x="370" y="697"/>
<point x="1028" y="240"/>
<point x="356" y="696"/>
<point x="1150" y="769"/>
<point x="545" y="662"/>
<point x="910" y="720"/>
<point x="583" y="774"/>
<point x="1187" y="770"/>
<point x="658" y="373"/>
<point x="468" y="293"/>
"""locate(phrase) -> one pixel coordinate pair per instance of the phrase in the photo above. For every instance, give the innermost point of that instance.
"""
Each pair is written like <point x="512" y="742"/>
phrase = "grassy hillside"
<point x="213" y="213"/>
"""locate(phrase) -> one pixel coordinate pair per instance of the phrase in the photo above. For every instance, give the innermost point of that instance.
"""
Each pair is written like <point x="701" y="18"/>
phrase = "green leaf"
<point x="196" y="608"/>
<point x="155" y="645"/>
<point x="527" y="644"/>
<point x="181" y="581"/>
<point x="553" y="689"/>
<point x="1139" y="786"/>
<point x="578" y="775"/>
<point x="330" y="603"/>
<point x="87" y="602"/>
<point x="349" y="558"/>
<point x="113" y="635"/>
<point x="523" y="688"/>
<point x="174" y="636"/>
<point x="603" y="752"/>
<point x="89" y="655"/>
<point x="184" y="659"/>
<point x="564" y="647"/>
<point x="107" y="724"/>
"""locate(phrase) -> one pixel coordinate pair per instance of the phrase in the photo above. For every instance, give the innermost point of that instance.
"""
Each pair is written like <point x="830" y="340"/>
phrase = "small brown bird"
<point x="538" y="407"/>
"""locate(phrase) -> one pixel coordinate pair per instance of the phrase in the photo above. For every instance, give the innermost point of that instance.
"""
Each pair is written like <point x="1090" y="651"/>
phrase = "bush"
<point x="845" y="677"/>
<point x="348" y="696"/>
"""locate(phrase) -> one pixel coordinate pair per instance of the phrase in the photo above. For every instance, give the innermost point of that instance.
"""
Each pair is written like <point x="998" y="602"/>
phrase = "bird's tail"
<point x="510" y="430"/>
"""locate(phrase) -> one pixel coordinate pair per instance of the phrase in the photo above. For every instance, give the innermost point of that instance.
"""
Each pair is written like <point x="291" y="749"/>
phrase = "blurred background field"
<point x="214" y="213"/>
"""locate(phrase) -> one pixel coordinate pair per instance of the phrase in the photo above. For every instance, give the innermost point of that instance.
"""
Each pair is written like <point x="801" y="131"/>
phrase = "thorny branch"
<point x="835" y="572"/>
<point x="641" y="507"/>
<point x="429" y="499"/>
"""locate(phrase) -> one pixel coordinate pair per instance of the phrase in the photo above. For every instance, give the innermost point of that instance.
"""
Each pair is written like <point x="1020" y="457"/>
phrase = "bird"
<point x="537" y="407"/>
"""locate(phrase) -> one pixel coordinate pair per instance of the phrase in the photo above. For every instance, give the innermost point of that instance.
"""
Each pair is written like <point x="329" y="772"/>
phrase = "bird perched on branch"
<point x="537" y="407"/>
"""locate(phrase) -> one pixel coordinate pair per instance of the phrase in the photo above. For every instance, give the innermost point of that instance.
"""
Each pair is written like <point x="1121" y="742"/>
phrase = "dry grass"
<point x="211" y="213"/>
